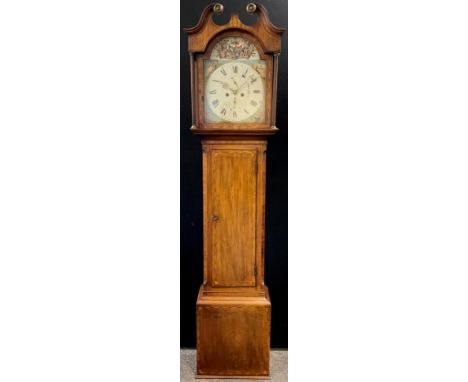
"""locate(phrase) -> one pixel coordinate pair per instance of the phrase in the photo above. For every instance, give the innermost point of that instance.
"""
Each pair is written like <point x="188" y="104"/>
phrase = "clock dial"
<point x="234" y="81"/>
<point x="234" y="92"/>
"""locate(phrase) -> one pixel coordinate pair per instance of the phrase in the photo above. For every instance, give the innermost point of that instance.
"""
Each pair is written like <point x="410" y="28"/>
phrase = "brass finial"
<point x="218" y="8"/>
<point x="251" y="8"/>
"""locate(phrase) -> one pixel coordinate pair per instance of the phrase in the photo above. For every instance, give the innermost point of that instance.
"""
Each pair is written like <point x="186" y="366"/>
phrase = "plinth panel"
<point x="233" y="337"/>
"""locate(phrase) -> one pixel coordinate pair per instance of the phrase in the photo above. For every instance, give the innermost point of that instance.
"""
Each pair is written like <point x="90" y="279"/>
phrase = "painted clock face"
<point x="234" y="83"/>
<point x="234" y="92"/>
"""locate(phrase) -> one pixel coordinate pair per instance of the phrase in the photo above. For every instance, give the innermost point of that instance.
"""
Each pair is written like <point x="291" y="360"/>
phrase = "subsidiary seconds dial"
<point x="234" y="91"/>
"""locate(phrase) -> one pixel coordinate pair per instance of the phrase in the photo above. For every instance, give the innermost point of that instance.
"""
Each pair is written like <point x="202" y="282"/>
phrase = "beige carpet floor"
<point x="278" y="367"/>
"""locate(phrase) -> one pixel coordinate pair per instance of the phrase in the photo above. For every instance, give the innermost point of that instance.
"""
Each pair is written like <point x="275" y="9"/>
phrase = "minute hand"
<point x="240" y="87"/>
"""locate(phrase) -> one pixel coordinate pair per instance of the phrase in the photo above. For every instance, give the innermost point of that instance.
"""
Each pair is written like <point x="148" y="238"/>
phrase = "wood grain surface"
<point x="233" y="336"/>
<point x="233" y="196"/>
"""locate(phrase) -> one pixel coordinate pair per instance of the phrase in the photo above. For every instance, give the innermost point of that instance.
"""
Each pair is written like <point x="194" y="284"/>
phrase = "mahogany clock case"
<point x="191" y="197"/>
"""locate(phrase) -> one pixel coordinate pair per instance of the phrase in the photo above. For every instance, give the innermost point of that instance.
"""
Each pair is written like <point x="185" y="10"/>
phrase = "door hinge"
<point x="255" y="270"/>
<point x="256" y="167"/>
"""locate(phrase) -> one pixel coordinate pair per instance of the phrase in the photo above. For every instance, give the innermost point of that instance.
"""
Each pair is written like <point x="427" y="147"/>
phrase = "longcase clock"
<point x="234" y="69"/>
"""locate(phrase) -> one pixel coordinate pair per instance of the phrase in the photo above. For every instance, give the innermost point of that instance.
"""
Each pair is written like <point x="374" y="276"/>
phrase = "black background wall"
<point x="191" y="228"/>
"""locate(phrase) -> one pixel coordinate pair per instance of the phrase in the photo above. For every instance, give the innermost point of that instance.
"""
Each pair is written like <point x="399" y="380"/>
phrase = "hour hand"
<point x="225" y="85"/>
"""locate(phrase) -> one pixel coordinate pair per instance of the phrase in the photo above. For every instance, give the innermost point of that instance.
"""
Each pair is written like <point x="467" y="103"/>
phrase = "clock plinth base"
<point x="233" y="336"/>
<point x="249" y="377"/>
